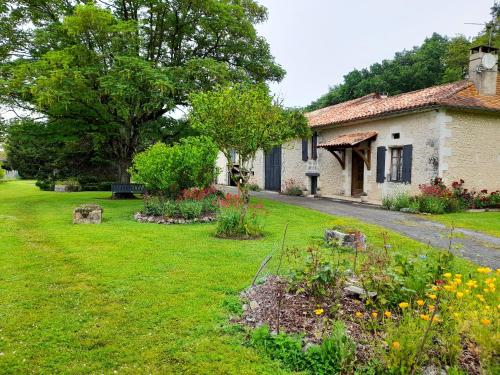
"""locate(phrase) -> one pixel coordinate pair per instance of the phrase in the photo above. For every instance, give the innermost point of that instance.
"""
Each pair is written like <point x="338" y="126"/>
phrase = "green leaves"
<point x="168" y="170"/>
<point x="245" y="119"/>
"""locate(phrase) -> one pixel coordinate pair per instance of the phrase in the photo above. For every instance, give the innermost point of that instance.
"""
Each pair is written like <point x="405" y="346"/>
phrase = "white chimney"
<point x="483" y="67"/>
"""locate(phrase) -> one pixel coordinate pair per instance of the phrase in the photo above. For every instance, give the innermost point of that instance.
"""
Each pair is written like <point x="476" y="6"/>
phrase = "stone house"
<point x="379" y="145"/>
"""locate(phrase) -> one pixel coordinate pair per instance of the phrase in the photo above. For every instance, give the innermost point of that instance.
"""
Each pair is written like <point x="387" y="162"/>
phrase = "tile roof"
<point x="461" y="94"/>
<point x="348" y="140"/>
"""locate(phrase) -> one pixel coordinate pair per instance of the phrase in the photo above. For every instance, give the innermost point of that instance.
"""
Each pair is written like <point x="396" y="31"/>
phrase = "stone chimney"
<point x="483" y="68"/>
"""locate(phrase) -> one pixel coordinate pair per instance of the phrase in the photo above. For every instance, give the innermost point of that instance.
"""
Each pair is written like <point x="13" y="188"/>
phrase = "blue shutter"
<point x="305" y="151"/>
<point x="381" y="164"/>
<point x="314" y="147"/>
<point x="407" y="160"/>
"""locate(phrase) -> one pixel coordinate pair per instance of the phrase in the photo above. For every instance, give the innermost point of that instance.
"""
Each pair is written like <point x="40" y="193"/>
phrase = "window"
<point x="395" y="135"/>
<point x="396" y="164"/>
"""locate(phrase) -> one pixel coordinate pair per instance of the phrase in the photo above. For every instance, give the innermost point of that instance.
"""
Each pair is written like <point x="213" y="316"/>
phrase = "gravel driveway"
<point x="481" y="248"/>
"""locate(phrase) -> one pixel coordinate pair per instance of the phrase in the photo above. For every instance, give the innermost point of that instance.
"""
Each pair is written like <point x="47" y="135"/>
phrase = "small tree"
<point x="244" y="119"/>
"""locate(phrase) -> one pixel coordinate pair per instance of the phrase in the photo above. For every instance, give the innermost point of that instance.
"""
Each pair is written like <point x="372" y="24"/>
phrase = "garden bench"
<point x="127" y="189"/>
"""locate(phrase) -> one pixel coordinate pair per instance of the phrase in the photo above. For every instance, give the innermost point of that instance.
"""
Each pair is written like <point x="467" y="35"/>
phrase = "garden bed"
<point x="143" y="218"/>
<point x="298" y="314"/>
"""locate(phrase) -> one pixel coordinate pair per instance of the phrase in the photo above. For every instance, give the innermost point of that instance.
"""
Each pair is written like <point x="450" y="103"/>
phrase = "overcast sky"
<point x="318" y="41"/>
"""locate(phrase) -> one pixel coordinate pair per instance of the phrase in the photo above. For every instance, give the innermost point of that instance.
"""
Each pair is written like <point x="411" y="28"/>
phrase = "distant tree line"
<point x="438" y="60"/>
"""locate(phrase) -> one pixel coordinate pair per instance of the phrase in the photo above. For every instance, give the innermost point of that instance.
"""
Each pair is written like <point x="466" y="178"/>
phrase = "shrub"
<point x="2" y="172"/>
<point x="190" y="209"/>
<point x="397" y="201"/>
<point x="154" y="206"/>
<point x="232" y="224"/>
<point x="45" y="184"/>
<point x="170" y="169"/>
<point x="431" y="204"/>
<point x="254" y="187"/>
<point x="335" y="355"/>
<point x="291" y="187"/>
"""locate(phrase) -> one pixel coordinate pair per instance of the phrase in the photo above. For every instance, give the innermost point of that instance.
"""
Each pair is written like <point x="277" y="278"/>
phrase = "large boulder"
<point x="87" y="214"/>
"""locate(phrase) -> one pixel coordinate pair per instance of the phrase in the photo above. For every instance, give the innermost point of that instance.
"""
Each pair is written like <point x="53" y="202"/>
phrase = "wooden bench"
<point x="127" y="189"/>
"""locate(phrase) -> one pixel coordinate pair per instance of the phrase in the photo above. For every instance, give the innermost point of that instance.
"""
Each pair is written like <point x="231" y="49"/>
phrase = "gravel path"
<point x="481" y="248"/>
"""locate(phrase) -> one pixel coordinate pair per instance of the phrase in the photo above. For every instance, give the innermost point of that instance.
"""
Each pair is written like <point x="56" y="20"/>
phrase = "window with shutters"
<point x="396" y="174"/>
<point x="314" y="146"/>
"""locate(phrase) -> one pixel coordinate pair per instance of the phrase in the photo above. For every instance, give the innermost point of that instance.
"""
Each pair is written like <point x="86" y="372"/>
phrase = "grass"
<point x="486" y="222"/>
<point x="130" y="297"/>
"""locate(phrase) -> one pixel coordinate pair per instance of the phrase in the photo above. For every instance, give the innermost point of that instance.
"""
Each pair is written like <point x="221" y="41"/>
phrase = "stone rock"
<point x="254" y="305"/>
<point x="88" y="214"/>
<point x="345" y="239"/>
<point x="358" y="292"/>
<point x="67" y="188"/>
<point x="433" y="370"/>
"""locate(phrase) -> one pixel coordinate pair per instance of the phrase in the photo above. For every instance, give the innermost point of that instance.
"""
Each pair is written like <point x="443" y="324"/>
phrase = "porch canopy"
<point x="338" y="145"/>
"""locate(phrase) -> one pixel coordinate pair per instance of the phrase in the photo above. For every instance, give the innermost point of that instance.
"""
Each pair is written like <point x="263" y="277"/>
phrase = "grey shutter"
<point x="381" y="164"/>
<point x="314" y="147"/>
<point x="305" y="151"/>
<point x="407" y="159"/>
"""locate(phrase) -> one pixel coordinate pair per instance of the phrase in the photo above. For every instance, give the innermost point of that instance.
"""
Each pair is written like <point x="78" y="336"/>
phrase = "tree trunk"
<point x="123" y="178"/>
<point x="123" y="174"/>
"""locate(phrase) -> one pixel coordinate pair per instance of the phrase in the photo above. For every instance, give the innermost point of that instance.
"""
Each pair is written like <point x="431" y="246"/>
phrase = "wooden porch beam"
<point x="365" y="154"/>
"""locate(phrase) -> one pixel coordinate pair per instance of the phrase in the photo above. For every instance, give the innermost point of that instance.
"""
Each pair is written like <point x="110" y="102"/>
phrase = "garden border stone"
<point x="142" y="218"/>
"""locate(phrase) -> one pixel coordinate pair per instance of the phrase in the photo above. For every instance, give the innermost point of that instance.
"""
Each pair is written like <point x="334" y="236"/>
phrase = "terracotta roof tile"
<point x="348" y="140"/>
<point x="461" y="94"/>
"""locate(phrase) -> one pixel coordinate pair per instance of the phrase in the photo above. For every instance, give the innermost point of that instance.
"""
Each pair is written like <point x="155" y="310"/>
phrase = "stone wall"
<point x="471" y="150"/>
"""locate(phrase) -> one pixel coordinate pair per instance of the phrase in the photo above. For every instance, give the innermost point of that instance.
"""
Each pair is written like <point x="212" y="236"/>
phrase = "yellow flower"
<point x="396" y="345"/>
<point x="447" y="275"/>
<point x="374" y="315"/>
<point x="485" y="322"/>
<point x="480" y="297"/>
<point x="359" y="314"/>
<point x="432" y="296"/>
<point x="471" y="284"/>
<point x="435" y="288"/>
<point x="458" y="281"/>
<point x="420" y="302"/>
<point x="436" y="319"/>
<point x="388" y="314"/>
<point x="484" y="270"/>
<point x="460" y="294"/>
<point x="404" y="305"/>
<point x="456" y="315"/>
<point x="424" y="317"/>
<point x="448" y="288"/>
<point x="431" y="308"/>
<point x="319" y="311"/>
<point x="458" y="276"/>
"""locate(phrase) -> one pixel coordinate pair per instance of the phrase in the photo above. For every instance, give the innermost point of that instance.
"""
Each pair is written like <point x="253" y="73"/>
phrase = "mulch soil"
<point x="297" y="314"/>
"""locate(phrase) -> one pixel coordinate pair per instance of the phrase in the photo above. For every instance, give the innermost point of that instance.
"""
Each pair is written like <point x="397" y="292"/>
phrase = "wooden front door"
<point x="358" y="168"/>
<point x="273" y="169"/>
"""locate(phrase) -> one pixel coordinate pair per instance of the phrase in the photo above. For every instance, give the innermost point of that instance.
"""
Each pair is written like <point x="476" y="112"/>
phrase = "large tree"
<point x="120" y="66"/>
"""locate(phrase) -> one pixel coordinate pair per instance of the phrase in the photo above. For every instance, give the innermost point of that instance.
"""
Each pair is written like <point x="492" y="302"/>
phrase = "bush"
<point x="431" y="204"/>
<point x="291" y="187"/>
<point x="168" y="170"/>
<point x="154" y="207"/>
<point x="190" y="209"/>
<point x="254" y="187"/>
<point x="397" y="201"/>
<point x="229" y="223"/>
<point x="335" y="355"/>
<point x="45" y="184"/>
<point x="2" y="172"/>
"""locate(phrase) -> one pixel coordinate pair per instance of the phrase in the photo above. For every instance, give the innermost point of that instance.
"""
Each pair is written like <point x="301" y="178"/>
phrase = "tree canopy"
<point x="120" y="66"/>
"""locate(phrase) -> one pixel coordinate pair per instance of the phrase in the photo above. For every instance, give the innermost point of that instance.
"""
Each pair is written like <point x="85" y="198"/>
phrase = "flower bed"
<point x="437" y="198"/>
<point x="192" y="205"/>
<point x="415" y="313"/>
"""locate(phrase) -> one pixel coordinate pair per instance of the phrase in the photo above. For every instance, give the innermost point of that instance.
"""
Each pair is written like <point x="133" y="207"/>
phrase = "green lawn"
<point x="130" y="297"/>
<point x="487" y="222"/>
